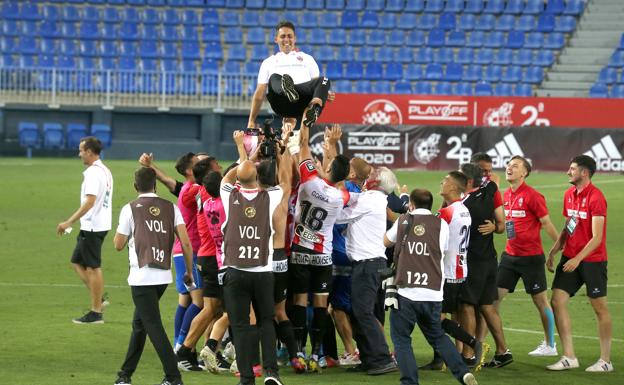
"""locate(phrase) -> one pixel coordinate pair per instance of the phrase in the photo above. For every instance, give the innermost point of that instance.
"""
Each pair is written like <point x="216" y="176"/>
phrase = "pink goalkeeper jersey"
<point x="215" y="216"/>
<point x="188" y="207"/>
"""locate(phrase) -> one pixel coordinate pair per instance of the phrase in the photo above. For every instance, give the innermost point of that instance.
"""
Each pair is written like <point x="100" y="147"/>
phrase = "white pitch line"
<point x="541" y="332"/>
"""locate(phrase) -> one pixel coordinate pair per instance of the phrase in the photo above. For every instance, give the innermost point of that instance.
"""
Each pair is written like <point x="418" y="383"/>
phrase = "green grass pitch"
<point x="40" y="294"/>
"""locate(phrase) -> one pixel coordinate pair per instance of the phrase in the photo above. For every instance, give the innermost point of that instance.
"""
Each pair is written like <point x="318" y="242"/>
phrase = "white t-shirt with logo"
<point x="300" y="66"/>
<point x="97" y="181"/>
<point x="455" y="259"/>
<point x="145" y="275"/>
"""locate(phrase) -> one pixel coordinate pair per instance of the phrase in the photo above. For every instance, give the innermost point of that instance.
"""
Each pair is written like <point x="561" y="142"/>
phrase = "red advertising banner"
<point x="444" y="147"/>
<point x="474" y="111"/>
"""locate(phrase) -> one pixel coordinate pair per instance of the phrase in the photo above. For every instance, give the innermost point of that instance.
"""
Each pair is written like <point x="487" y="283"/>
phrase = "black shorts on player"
<point x="480" y="285"/>
<point x="208" y="272"/>
<point x="305" y="92"/>
<point x="88" y="250"/>
<point x="592" y="274"/>
<point x="450" y="303"/>
<point x="530" y="268"/>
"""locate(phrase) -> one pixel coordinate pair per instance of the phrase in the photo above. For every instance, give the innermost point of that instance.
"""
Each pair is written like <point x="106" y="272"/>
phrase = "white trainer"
<point x="210" y="360"/>
<point x="600" y="366"/>
<point x="564" y="363"/>
<point x="234" y="367"/>
<point x="349" y="360"/>
<point x="229" y="352"/>
<point x="469" y="379"/>
<point x="544" y="350"/>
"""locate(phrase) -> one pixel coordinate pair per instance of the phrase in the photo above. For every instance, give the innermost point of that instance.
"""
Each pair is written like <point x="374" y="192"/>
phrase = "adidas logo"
<point x="504" y="150"/>
<point x="606" y="154"/>
<point x="236" y="202"/>
<point x="139" y="205"/>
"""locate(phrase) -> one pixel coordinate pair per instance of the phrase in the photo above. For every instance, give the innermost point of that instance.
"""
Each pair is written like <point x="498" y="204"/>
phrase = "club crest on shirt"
<point x="250" y="212"/>
<point x="583" y="202"/>
<point x="300" y="58"/>
<point x="419" y="230"/>
<point x="155" y="211"/>
<point x="520" y="202"/>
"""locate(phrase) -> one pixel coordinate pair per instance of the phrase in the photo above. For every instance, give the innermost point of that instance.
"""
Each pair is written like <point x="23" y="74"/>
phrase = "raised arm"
<point x="239" y="136"/>
<point x="332" y="137"/>
<point x="256" y="103"/>
<point x="147" y="160"/>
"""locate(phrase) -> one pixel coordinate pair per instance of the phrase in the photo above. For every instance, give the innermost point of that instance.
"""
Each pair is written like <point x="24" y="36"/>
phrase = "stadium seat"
<point x="415" y="38"/>
<point x="250" y="18"/>
<point x="103" y="133"/>
<point x="423" y="88"/>
<point x="27" y="45"/>
<point x="356" y="37"/>
<point x="555" y="7"/>
<point x="375" y="5"/>
<point x="599" y="90"/>
<point x="75" y="132"/>
<point x="534" y="40"/>
<point x="10" y="10"/>
<point x="86" y="63"/>
<point x="128" y="31"/>
<point x="514" y="7"/>
<point x="545" y="23"/>
<point x="503" y="57"/>
<point x="53" y="137"/>
<point x="383" y="87"/>
<point x="318" y="36"/>
<point x="349" y="19"/>
<point x="110" y="15"/>
<point x="434" y="6"/>
<point x="363" y="87"/>
<point x="335" y="70"/>
<point x="49" y="28"/>
<point x="260" y="52"/>
<point x="373" y="71"/>
<point x="473" y="73"/>
<point x="515" y="39"/>
<point x="394" y="71"/>
<point x="503" y="89"/>
<point x="291" y="16"/>
<point x="232" y="19"/>
<point x="455" y="6"/>
<point x="554" y="40"/>
<point x="566" y="24"/>
<point x="388" y="21"/>
<point x="473" y="6"/>
<point x="574" y="7"/>
<point x="402" y="87"/>
<point x="447" y="21"/>
<point x="464" y="55"/>
<point x="526" y="23"/>
<point x="427" y="22"/>
<point x="454" y="72"/>
<point x="28" y="134"/>
<point x="50" y="12"/>
<point x="148" y="65"/>
<point x="456" y="39"/>
<point x="485" y="22"/>
<point x="269" y="19"/>
<point x="494" y="7"/>
<point x="276" y="4"/>
<point x="414" y="72"/>
<point x="464" y="88"/>
<point x="334" y="5"/>
<point x="545" y="58"/>
<point x="407" y="21"/>
<point x="354" y="71"/>
<point x="211" y="33"/>
<point x="355" y="5"/>
<point x="233" y="35"/>
<point x="467" y="22"/>
<point x="444" y="55"/>
<point x="107" y="63"/>
<point x="376" y="37"/>
<point x="235" y="52"/>
<point x="416" y="6"/>
<point x="494" y="39"/>
<point x="48" y="46"/>
<point x="309" y="20"/>
<point x="369" y="20"/>
<point x="208" y="65"/>
<point x="237" y="4"/>
<point x="209" y="17"/>
<point x="433" y="71"/>
<point x="617" y="91"/>
<point x="617" y="59"/>
<point x="394" y="5"/>
<point x="126" y="48"/>
<point x="70" y="13"/>
<point x="329" y="20"/>
<point x="493" y="73"/>
<point x="505" y="23"/>
<point x="607" y="75"/>
<point x="396" y="38"/>
<point x="127" y="63"/>
<point x="10" y="28"/>
<point x="533" y="7"/>
<point x="436" y="38"/>
<point x="512" y="74"/>
<point x="523" y="89"/>
<point x="295" y="4"/>
<point x="254" y="4"/>
<point x="130" y="15"/>
<point x="523" y="57"/>
<point x="483" y="89"/>
<point x="424" y="55"/>
<point x="443" y="88"/>
<point x="534" y="75"/>
<point x="484" y="56"/>
<point x="66" y="62"/>
<point x="213" y="51"/>
<point x="315" y="4"/>
<point x="342" y="86"/>
<point x="403" y="55"/>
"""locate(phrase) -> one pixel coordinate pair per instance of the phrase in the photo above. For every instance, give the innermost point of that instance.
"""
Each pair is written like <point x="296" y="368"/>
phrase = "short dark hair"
<point x="421" y="199"/>
<point x="472" y="172"/>
<point x="201" y="168"/>
<point x="460" y="179"/>
<point x="480" y="156"/>
<point x="184" y="162"/>
<point x="92" y="143"/>
<point x="145" y="179"/>
<point x="339" y="169"/>
<point x="525" y="163"/>
<point x="586" y="162"/>
<point x="284" y="23"/>
<point x="212" y="183"/>
<point x="266" y="173"/>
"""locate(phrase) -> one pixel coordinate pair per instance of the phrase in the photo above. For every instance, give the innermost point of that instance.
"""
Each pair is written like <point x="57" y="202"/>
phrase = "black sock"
<point x="453" y="329"/>
<point x="298" y="320"/>
<point x="286" y="334"/>
<point x="212" y="344"/>
<point x="330" y="348"/>
<point x="317" y="329"/>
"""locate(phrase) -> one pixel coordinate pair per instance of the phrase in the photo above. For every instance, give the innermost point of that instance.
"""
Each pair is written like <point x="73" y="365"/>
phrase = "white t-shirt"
<point x="97" y="181"/>
<point x="145" y="275"/>
<point x="300" y="66"/>
<point x="366" y="216"/>
<point x="418" y="293"/>
<point x="455" y="259"/>
<point x="275" y="197"/>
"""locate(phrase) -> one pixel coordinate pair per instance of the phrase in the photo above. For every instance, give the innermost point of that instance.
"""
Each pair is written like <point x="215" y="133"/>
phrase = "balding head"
<point x="360" y="170"/>
<point x="246" y="174"/>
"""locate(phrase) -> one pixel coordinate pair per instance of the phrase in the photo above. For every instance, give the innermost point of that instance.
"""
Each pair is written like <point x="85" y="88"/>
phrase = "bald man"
<point x="248" y="253"/>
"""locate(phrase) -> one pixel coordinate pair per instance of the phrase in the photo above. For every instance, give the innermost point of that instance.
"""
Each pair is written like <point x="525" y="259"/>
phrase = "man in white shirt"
<point x="95" y="214"/>
<point x="366" y="217"/>
<point x="421" y="240"/>
<point x="148" y="226"/>
<point x="292" y="80"/>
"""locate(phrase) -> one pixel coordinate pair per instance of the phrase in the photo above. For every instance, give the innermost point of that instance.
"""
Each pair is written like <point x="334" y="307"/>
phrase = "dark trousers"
<point x="147" y="321"/>
<point x="427" y="316"/>
<point x="365" y="283"/>
<point x="242" y="289"/>
<point x="315" y="88"/>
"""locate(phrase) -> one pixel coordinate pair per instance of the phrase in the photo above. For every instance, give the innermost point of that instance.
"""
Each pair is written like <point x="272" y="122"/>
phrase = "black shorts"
<point x="208" y="271"/>
<point x="450" y="302"/>
<point x="592" y="274"/>
<point x="480" y="285"/>
<point x="280" y="287"/>
<point x="88" y="250"/>
<point x="530" y="268"/>
<point x="315" y="279"/>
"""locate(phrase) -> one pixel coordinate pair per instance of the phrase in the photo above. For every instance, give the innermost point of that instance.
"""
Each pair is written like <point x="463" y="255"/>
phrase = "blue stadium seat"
<point x="493" y="73"/>
<point x="49" y="28"/>
<point x="416" y="38"/>
<point x="443" y="88"/>
<point x="70" y="13"/>
<point x="339" y="37"/>
<point x="126" y="48"/>
<point x="376" y="37"/>
<point x="10" y="28"/>
<point x="208" y="65"/>
<point x="394" y="5"/>
<point x="566" y="24"/>
<point x="127" y="63"/>
<point x="534" y="40"/>
<point x="617" y="59"/>
<point x="467" y="22"/>
<point x="434" y="6"/>
<point x="254" y="4"/>
<point x="276" y="4"/>
<point x="473" y="73"/>
<point x="131" y="15"/>
<point x="356" y="37"/>
<point x="86" y="63"/>
<point x="128" y="31"/>
<point x="607" y="75"/>
<point x="213" y="51"/>
<point x="474" y="6"/>
<point x="555" y="7"/>
<point x="111" y="15"/>
<point x="403" y="55"/>
<point x="523" y="57"/>
<point x="365" y="54"/>
<point x="363" y="87"/>
<point x="130" y="2"/>
<point x="190" y="50"/>
<point x="28" y="134"/>
<point x="447" y="21"/>
<point x="255" y="36"/>
<point x="407" y="21"/>
<point x="554" y="40"/>
<point x="46" y="61"/>
<point x="433" y="71"/>
<point x="329" y="20"/>
<point x="355" y="5"/>
<point x="48" y="46"/>
<point x="194" y="3"/>
<point x="148" y="65"/>
<point x="75" y="132"/>
<point x="7" y="45"/>
<point x="334" y="5"/>
<point x="10" y="10"/>
<point x="396" y="38"/>
<point x="494" y="7"/>
<point x="456" y="39"/>
<point x="354" y="71"/>
<point x="88" y="30"/>
<point x="27" y="45"/>
<point x="250" y="18"/>
<point x="233" y="35"/>
<point x="464" y="88"/>
<point x="617" y="91"/>
<point x="169" y="50"/>
<point x="259" y="52"/>
<point x="534" y="75"/>
<point x="599" y="90"/>
<point x="485" y="22"/>
<point x="383" y="87"/>
<point x="526" y="23"/>
<point x="269" y="19"/>
<point x="455" y="6"/>
<point x="188" y="66"/>
<point x="375" y="5"/>
<point x="444" y="55"/>
<point x="415" y="6"/>
<point x="505" y="23"/>
<point x="349" y="19"/>
<point x="309" y="20"/>
<point x="503" y="89"/>
<point x="515" y="39"/>
<point x="51" y="12"/>
<point x="53" y="137"/>
<point x="189" y="33"/>
<point x="373" y="71"/>
<point x="325" y="53"/>
<point x="454" y="72"/>
<point x="209" y="17"/>
<point x="423" y="88"/>
<point x="385" y="54"/>
<point x="494" y="39"/>
<point x="315" y="4"/>
<point x="394" y="71"/>
<point x="237" y="4"/>
<point x="436" y="38"/>
<point x="503" y="56"/>
<point x="413" y="72"/>
<point x="232" y="19"/>
<point x="66" y="62"/>
<point x="232" y="67"/>
<point x="29" y="28"/>
<point x="211" y="33"/>
<point x="68" y="47"/>
<point x="483" y="89"/>
<point x="427" y="21"/>
<point x="369" y="20"/>
<point x="295" y="4"/>
<point x="291" y="16"/>
<point x="30" y="11"/>
<point x="107" y="63"/>
<point x="533" y="7"/>
<point x="402" y="87"/>
<point x="235" y="52"/>
<point x="342" y="86"/>
<point x="465" y="55"/>
<point x="545" y="23"/>
<point x="424" y="55"/>
<point x="574" y="7"/>
<point x="250" y="67"/>
<point x="523" y="89"/>
<point x="318" y="36"/>
<point x="514" y="7"/>
<point x="103" y="133"/>
<point x="27" y="61"/>
<point x="545" y="58"/>
<point x="512" y="74"/>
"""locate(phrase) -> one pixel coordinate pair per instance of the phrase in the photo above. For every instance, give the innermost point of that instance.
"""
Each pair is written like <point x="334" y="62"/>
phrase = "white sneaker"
<point x="210" y="360"/>
<point x="600" y="366"/>
<point x="544" y="350"/>
<point x="349" y="360"/>
<point x="469" y="379"/>
<point x="234" y="367"/>
<point x="564" y="363"/>
<point x="229" y="352"/>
